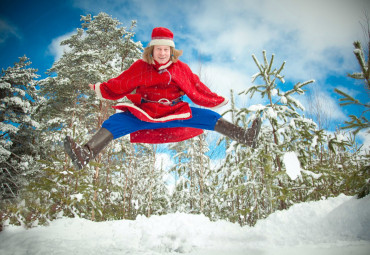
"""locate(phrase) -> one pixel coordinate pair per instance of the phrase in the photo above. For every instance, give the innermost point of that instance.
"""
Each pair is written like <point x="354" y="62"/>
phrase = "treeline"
<point x="39" y="183"/>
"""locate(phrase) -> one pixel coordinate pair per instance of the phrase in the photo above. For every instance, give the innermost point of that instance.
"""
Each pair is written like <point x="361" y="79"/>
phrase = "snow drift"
<point x="338" y="225"/>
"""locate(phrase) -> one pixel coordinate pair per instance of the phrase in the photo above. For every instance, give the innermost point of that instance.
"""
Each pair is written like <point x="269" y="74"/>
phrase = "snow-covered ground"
<point x="337" y="226"/>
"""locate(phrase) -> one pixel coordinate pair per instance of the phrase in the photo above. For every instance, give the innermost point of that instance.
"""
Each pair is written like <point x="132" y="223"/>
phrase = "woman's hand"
<point x="92" y="86"/>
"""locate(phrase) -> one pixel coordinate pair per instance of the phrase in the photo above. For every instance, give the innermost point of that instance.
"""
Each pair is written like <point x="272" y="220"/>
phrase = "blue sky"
<point x="314" y="37"/>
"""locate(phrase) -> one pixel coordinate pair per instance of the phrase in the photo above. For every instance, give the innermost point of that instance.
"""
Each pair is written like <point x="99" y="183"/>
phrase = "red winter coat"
<point x="151" y="89"/>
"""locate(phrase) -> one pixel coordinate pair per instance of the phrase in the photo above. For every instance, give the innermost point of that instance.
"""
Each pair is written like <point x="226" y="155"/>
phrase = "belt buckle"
<point x="164" y="101"/>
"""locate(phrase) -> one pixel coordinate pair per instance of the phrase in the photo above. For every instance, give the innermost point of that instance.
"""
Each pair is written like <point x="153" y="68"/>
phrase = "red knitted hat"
<point x="162" y="36"/>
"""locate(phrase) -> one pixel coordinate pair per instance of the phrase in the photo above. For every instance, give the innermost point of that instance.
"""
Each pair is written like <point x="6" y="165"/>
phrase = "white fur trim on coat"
<point x="165" y="66"/>
<point x="162" y="119"/>
<point x="97" y="91"/>
<point x="220" y="105"/>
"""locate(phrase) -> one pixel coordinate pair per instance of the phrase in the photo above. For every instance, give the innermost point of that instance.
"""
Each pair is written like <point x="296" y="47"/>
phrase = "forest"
<point x="39" y="184"/>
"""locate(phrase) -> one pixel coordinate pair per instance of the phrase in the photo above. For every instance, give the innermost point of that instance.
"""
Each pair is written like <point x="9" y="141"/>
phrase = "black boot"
<point x="247" y="137"/>
<point x="81" y="155"/>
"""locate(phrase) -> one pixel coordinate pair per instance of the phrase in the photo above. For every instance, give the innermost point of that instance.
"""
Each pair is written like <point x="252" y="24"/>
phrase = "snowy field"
<point x="335" y="226"/>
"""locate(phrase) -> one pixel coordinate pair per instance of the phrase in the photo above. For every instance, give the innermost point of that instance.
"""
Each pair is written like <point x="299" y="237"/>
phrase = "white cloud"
<point x="311" y="25"/>
<point x="364" y="136"/>
<point x="222" y="78"/>
<point x="309" y="34"/>
<point x="56" y="49"/>
<point x="8" y="30"/>
<point x="314" y="37"/>
<point x="322" y="107"/>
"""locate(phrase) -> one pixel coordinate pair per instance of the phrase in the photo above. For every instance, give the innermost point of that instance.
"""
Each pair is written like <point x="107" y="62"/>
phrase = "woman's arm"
<point x="120" y="86"/>
<point x="198" y="92"/>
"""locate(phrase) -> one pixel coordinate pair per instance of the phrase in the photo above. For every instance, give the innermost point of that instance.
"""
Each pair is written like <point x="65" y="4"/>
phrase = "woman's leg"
<point x="124" y="123"/>
<point x="121" y="124"/>
<point x="247" y="137"/>
<point x="81" y="155"/>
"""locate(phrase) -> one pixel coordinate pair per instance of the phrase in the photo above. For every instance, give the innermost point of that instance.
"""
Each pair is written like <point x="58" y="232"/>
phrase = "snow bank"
<point x="334" y="226"/>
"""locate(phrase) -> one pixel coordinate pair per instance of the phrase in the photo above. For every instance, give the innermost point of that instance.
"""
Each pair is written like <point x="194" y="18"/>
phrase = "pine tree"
<point x="194" y="187"/>
<point x="361" y="122"/>
<point x="258" y="185"/>
<point x="233" y="174"/>
<point x="180" y="200"/>
<point x="290" y="131"/>
<point x="101" y="49"/>
<point x="148" y="191"/>
<point x="18" y="144"/>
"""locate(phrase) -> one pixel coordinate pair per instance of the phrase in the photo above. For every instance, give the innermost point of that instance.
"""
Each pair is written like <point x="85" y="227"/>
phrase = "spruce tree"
<point x="361" y="121"/>
<point x="258" y="185"/>
<point x="18" y="126"/>
<point x="194" y="187"/>
<point x="100" y="50"/>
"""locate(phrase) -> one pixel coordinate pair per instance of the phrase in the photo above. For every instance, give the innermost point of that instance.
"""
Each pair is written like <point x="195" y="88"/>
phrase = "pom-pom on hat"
<point x="162" y="36"/>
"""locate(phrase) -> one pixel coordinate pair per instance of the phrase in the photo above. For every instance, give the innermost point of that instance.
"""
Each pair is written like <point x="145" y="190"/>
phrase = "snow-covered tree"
<point x="101" y="49"/>
<point x="256" y="184"/>
<point x="194" y="187"/>
<point x="361" y="122"/>
<point x="123" y="181"/>
<point x="232" y="175"/>
<point x="18" y="144"/>
<point x="289" y="129"/>
<point x="148" y="193"/>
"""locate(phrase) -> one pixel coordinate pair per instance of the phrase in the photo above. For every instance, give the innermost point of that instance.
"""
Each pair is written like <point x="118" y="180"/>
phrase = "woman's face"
<point x="161" y="53"/>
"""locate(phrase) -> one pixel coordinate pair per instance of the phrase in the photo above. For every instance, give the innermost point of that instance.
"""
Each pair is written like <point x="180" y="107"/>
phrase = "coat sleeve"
<point x="198" y="92"/>
<point x="122" y="85"/>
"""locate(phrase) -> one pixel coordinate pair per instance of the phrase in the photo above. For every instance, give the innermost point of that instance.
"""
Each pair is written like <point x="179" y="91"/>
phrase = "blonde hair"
<point x="148" y="54"/>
